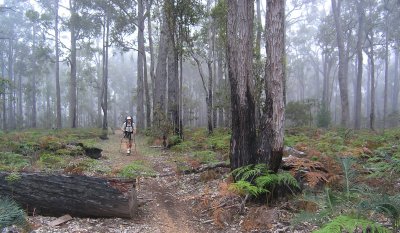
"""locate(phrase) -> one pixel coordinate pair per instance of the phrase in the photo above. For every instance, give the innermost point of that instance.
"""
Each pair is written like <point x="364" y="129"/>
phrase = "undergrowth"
<point x="257" y="180"/>
<point x="10" y="213"/>
<point x="135" y="169"/>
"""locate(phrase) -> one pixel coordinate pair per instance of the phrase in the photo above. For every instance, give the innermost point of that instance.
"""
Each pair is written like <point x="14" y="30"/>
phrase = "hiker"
<point x="128" y="128"/>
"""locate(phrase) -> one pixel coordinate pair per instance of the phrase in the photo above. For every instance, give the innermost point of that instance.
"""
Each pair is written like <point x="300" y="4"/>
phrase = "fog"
<point x="179" y="75"/>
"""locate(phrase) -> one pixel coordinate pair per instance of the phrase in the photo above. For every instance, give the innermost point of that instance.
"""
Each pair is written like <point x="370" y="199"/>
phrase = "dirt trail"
<point x="161" y="208"/>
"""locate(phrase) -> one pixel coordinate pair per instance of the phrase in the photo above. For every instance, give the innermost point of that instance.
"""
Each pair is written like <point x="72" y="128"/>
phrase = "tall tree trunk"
<point x="105" y="75"/>
<point x="210" y="60"/>
<point x="259" y="31"/>
<point x="386" y="70"/>
<point x="11" y="116"/>
<point x="360" y="40"/>
<point x="140" y="116"/>
<point x="372" y="65"/>
<point x="396" y="86"/>
<point x="34" y="112"/>
<point x="73" y="90"/>
<point x="173" y="79"/>
<point x="4" y="89"/>
<point x="220" y="87"/>
<point x="147" y="92"/>
<point x="160" y="81"/>
<point x="273" y="129"/>
<point x="20" y="114"/>
<point x="150" y="37"/>
<point x="343" y="63"/>
<point x="239" y="57"/>
<point x="58" y="92"/>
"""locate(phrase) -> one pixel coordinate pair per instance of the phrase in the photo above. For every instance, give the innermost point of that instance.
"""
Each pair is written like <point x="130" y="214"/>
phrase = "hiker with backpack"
<point x="128" y="129"/>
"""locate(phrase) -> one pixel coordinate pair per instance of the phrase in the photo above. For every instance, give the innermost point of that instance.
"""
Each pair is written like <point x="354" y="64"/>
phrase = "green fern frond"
<point x="267" y="181"/>
<point x="249" y="172"/>
<point x="244" y="187"/>
<point x="287" y="179"/>
<point x="349" y="224"/>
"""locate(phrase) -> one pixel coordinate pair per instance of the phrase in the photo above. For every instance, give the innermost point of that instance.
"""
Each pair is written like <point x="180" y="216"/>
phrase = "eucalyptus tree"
<point x="206" y="41"/>
<point x="81" y="24"/>
<point x="239" y="58"/>
<point x="360" y="42"/>
<point x="343" y="62"/>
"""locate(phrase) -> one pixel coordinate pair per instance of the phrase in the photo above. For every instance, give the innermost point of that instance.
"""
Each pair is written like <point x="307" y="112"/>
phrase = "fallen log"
<point x="76" y="195"/>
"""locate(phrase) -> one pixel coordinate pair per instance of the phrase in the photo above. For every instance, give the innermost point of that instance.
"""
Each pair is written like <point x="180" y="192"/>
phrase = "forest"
<point x="248" y="116"/>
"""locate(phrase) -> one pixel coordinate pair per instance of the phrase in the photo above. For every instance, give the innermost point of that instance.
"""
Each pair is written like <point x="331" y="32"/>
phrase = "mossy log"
<point x="77" y="195"/>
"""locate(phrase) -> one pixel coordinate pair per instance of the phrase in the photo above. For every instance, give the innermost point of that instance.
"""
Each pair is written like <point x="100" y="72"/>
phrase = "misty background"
<point x="99" y="69"/>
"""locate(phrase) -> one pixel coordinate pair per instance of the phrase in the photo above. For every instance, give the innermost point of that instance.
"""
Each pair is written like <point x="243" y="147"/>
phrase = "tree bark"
<point x="58" y="95"/>
<point x="239" y="57"/>
<point x="150" y="37"/>
<point x="372" y="65"/>
<point x="140" y="116"/>
<point x="34" y="112"/>
<point x="342" y="73"/>
<point x="105" y="75"/>
<point x="4" y="89"/>
<point x="79" y="196"/>
<point x="73" y="90"/>
<point x="173" y="84"/>
<point x="273" y="129"/>
<point x="385" y="96"/>
<point x="220" y="87"/>
<point x="360" y="40"/>
<point x="160" y="91"/>
<point x="11" y="117"/>
<point x="396" y="86"/>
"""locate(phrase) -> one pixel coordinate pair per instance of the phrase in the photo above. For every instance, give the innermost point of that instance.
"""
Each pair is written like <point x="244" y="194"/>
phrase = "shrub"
<point x="205" y="156"/>
<point x="174" y="140"/>
<point x="51" y="161"/>
<point x="255" y="180"/>
<point x="323" y="117"/>
<point x="11" y="162"/>
<point x="10" y="213"/>
<point x="349" y="224"/>
<point x="135" y="169"/>
<point x="298" y="113"/>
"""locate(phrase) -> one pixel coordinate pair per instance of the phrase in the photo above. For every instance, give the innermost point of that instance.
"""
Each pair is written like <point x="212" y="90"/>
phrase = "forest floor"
<point x="171" y="202"/>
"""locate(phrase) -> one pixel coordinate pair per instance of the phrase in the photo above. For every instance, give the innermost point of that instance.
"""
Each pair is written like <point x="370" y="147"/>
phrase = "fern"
<point x="346" y="164"/>
<point x="244" y="187"/>
<point x="349" y="224"/>
<point x="249" y="172"/>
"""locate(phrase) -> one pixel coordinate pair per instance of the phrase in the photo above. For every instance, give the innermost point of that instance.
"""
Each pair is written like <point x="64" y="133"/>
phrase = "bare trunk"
<point x="58" y="95"/>
<point x="11" y="117"/>
<point x="360" y="40"/>
<point x="273" y="129"/>
<point x="220" y="86"/>
<point x="147" y="93"/>
<point x="34" y="112"/>
<point x="372" y="64"/>
<point x="149" y="29"/>
<point x="72" y="90"/>
<point x="104" y="104"/>
<point x="173" y="79"/>
<point x="4" y="89"/>
<point x="239" y="57"/>
<point x="386" y="74"/>
<point x="20" y="114"/>
<point x="160" y="81"/>
<point x="140" y="116"/>
<point x="396" y="88"/>
<point x="342" y="74"/>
